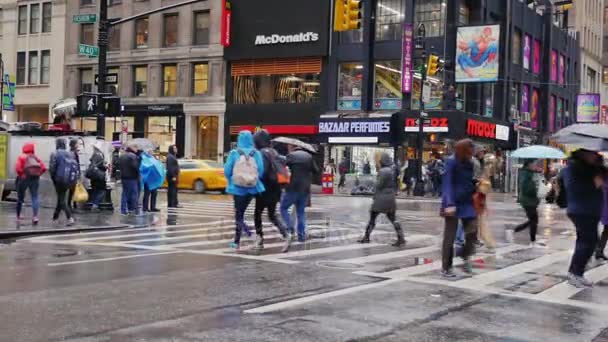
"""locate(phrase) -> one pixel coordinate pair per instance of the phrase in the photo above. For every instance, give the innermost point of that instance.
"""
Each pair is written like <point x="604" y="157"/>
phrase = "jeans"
<point x="532" y="214"/>
<point x="240" y="206"/>
<point x="298" y="199"/>
<point x="149" y="199"/>
<point x="130" y="194"/>
<point x="172" y="194"/>
<point x="268" y="202"/>
<point x="586" y="241"/>
<point x="31" y="184"/>
<point x="460" y="235"/>
<point x="62" y="202"/>
<point x="451" y="227"/>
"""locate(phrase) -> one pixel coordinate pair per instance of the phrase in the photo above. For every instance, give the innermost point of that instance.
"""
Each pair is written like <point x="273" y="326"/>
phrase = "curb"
<point x="35" y="232"/>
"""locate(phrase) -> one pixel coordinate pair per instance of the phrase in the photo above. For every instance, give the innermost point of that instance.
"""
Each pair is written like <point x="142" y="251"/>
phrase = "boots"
<point x="368" y="232"/>
<point x="599" y="252"/>
<point x="400" y="240"/>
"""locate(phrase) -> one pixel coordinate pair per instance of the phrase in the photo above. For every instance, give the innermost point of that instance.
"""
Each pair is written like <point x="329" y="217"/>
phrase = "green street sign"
<point x="88" y="50"/>
<point x="84" y="18"/>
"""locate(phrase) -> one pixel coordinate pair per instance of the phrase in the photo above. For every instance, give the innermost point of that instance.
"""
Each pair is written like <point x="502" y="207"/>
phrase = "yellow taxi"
<point x="201" y="175"/>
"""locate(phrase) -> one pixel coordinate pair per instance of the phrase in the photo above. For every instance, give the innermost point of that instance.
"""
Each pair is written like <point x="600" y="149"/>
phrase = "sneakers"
<point x="235" y="246"/>
<point x="599" y="255"/>
<point x="399" y="243"/>
<point x="448" y="274"/>
<point x="287" y="243"/>
<point x="70" y="222"/>
<point x="259" y="243"/>
<point x="364" y="239"/>
<point x="467" y="267"/>
<point x="579" y="281"/>
<point x="537" y="244"/>
<point x="35" y="220"/>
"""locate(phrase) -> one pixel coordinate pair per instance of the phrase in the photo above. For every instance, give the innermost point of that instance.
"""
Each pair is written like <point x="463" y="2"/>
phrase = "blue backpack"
<point x="67" y="170"/>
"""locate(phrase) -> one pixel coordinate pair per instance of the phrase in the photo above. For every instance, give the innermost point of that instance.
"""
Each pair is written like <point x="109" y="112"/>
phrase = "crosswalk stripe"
<point x="564" y="290"/>
<point x="391" y="255"/>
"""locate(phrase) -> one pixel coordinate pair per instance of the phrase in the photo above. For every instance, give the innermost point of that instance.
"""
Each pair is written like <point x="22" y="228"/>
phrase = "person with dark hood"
<point x="58" y="160"/>
<point x="129" y="174"/>
<point x="268" y="199"/>
<point x="528" y="198"/>
<point x="583" y="180"/>
<point x="96" y="173"/>
<point x="172" y="177"/>
<point x="384" y="200"/>
<point x="75" y="151"/>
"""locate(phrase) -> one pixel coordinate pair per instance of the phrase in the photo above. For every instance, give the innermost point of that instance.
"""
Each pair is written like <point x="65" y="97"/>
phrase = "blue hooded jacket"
<point x="458" y="187"/>
<point x="245" y="144"/>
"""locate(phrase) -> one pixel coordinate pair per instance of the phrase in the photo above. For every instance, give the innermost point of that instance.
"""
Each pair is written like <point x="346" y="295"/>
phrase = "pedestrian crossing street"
<point x="513" y="270"/>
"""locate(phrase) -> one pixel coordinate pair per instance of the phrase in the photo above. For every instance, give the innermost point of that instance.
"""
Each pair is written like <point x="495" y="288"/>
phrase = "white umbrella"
<point x="295" y="142"/>
<point x="538" y="152"/>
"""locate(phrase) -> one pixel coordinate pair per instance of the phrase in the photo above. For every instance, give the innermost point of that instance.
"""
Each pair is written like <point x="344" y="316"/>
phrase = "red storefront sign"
<point x="278" y="129"/>
<point x="431" y="125"/>
<point x="481" y="129"/>
<point x="226" y="23"/>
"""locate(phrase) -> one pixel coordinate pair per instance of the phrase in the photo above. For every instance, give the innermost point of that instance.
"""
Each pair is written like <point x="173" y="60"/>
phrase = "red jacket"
<point x="28" y="149"/>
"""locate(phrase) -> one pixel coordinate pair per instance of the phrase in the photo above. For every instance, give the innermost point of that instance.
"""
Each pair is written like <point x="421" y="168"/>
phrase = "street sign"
<point x="84" y="18"/>
<point x="86" y="104"/>
<point x="8" y="98"/>
<point x="110" y="78"/>
<point x="426" y="92"/>
<point x="88" y="50"/>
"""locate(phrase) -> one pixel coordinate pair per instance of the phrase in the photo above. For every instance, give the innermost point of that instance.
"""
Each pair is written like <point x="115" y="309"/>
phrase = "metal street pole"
<point x="419" y="187"/>
<point x="2" y="87"/>
<point x="102" y="42"/>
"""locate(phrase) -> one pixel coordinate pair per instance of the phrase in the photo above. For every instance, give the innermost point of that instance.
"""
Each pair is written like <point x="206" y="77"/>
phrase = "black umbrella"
<point x="593" y="137"/>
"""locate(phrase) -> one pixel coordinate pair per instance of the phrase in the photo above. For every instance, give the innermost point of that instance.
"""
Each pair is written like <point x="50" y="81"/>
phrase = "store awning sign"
<point x="366" y="127"/>
<point x="431" y="125"/>
<point x="487" y="130"/>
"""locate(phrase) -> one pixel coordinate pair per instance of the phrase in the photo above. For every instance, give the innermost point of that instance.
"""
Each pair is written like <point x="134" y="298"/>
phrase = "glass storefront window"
<point x="389" y="16"/>
<point x="387" y="85"/>
<point x="432" y="14"/>
<point x="208" y="131"/>
<point x="294" y="88"/>
<point x="161" y="129"/>
<point x="169" y="80"/>
<point x="350" y="78"/>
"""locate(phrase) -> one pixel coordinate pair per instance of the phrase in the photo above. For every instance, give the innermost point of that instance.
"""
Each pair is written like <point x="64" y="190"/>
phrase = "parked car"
<point x="201" y="175"/>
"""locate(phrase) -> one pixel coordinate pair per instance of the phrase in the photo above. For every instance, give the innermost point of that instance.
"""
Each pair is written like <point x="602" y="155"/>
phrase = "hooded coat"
<point x="584" y="198"/>
<point x="28" y="149"/>
<point x="60" y="151"/>
<point x="528" y="188"/>
<point x="245" y="144"/>
<point x="385" y="194"/>
<point x="261" y="140"/>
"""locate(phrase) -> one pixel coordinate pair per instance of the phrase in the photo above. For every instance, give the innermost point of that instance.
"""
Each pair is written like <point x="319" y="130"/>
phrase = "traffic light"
<point x="432" y="66"/>
<point x="347" y="15"/>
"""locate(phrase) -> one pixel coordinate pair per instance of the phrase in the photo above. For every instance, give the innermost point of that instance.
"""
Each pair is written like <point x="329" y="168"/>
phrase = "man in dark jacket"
<point x="129" y="174"/>
<point x="302" y="168"/>
<point x="583" y="179"/>
<point x="342" y="170"/>
<point x="384" y="200"/>
<point x="172" y="177"/>
<point x="61" y="189"/>
<point x="268" y="199"/>
<point x="528" y="198"/>
<point x="96" y="173"/>
<point x="457" y="205"/>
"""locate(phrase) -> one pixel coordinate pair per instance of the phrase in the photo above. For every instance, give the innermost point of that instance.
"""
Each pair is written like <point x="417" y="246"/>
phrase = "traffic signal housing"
<point x="432" y="65"/>
<point x="347" y="15"/>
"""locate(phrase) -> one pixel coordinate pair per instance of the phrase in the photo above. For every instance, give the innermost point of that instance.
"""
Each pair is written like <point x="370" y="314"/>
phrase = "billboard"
<point x="553" y="65"/>
<point x="527" y="50"/>
<point x="562" y="69"/>
<point x="588" y="108"/>
<point x="477" y="53"/>
<point x="408" y="53"/>
<point x="535" y="98"/>
<point x="536" y="61"/>
<point x="8" y="95"/>
<point x="525" y="102"/>
<point x="604" y="116"/>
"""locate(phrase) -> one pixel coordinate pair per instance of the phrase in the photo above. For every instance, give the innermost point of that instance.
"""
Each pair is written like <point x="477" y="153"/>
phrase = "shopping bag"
<point x="80" y="194"/>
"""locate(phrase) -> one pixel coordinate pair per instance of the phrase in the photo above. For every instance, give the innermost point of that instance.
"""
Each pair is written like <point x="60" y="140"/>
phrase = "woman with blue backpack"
<point x="64" y="172"/>
<point x="244" y="169"/>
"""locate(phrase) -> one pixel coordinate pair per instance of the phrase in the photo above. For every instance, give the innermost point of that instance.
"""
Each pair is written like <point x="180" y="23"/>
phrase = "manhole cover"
<point x="64" y="253"/>
<point x="337" y="264"/>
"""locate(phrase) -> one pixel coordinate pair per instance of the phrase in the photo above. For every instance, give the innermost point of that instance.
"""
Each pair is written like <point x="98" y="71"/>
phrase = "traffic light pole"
<point x="419" y="187"/>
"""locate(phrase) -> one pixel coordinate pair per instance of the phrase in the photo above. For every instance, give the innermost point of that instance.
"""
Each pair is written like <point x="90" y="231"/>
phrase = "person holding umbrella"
<point x="528" y="198"/>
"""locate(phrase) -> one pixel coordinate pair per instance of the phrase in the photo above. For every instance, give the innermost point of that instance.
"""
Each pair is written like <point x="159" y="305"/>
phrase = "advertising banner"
<point x="477" y="53"/>
<point x="525" y="103"/>
<point x="536" y="62"/>
<point x="226" y="23"/>
<point x="553" y="65"/>
<point x="588" y="108"/>
<point x="562" y="69"/>
<point x="604" y="116"/>
<point x="527" y="50"/>
<point x="534" y="108"/>
<point x="408" y="53"/>
<point x="8" y="96"/>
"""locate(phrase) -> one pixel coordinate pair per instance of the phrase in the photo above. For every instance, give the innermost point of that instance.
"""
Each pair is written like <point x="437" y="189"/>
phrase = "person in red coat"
<point x="29" y="168"/>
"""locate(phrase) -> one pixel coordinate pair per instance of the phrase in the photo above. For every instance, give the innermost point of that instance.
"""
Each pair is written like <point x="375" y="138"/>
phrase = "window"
<point x="45" y="67"/>
<point x="605" y="75"/>
<point x="387" y="85"/>
<point x="47" y="14"/>
<point x="22" y="20"/>
<point x="87" y="34"/>
<point x="141" y="81"/>
<point x="349" y="86"/>
<point x="114" y="43"/>
<point x="87" y="2"/>
<point x="170" y="27"/>
<point x="169" y="80"/>
<point x="463" y="14"/>
<point x="112" y="88"/>
<point x="114" y="2"/>
<point x="516" y="47"/>
<point x="200" y="79"/>
<point x="285" y="88"/>
<point x="86" y="80"/>
<point x="33" y="67"/>
<point x="34" y="18"/>
<point x="20" y="68"/>
<point x="389" y="15"/>
<point x="141" y="33"/>
<point x="432" y="14"/>
<point x="201" y="28"/>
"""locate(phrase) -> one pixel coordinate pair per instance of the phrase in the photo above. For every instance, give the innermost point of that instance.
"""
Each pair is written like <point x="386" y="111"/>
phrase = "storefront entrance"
<point x="208" y="128"/>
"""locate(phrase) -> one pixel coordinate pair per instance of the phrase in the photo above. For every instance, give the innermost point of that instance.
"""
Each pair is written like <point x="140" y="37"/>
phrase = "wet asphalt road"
<point x="177" y="281"/>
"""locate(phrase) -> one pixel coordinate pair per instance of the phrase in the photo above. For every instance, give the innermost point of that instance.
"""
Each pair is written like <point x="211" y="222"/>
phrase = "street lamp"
<point x="420" y="44"/>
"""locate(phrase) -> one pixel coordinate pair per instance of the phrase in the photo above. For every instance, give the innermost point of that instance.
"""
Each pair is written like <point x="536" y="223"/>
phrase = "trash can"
<point x="327" y="184"/>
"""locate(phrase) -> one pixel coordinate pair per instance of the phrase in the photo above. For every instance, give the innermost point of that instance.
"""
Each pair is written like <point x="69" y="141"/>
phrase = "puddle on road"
<point x="340" y="265"/>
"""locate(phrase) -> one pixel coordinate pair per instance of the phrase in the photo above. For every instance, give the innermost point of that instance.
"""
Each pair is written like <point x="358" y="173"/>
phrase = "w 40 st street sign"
<point x="84" y="18"/>
<point x="88" y="50"/>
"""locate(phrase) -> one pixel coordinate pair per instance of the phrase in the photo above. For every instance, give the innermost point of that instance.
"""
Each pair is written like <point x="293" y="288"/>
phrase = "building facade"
<point x="32" y="37"/>
<point x="170" y="73"/>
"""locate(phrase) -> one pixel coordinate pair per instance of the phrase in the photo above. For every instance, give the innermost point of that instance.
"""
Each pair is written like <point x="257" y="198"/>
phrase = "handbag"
<point x="80" y="194"/>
